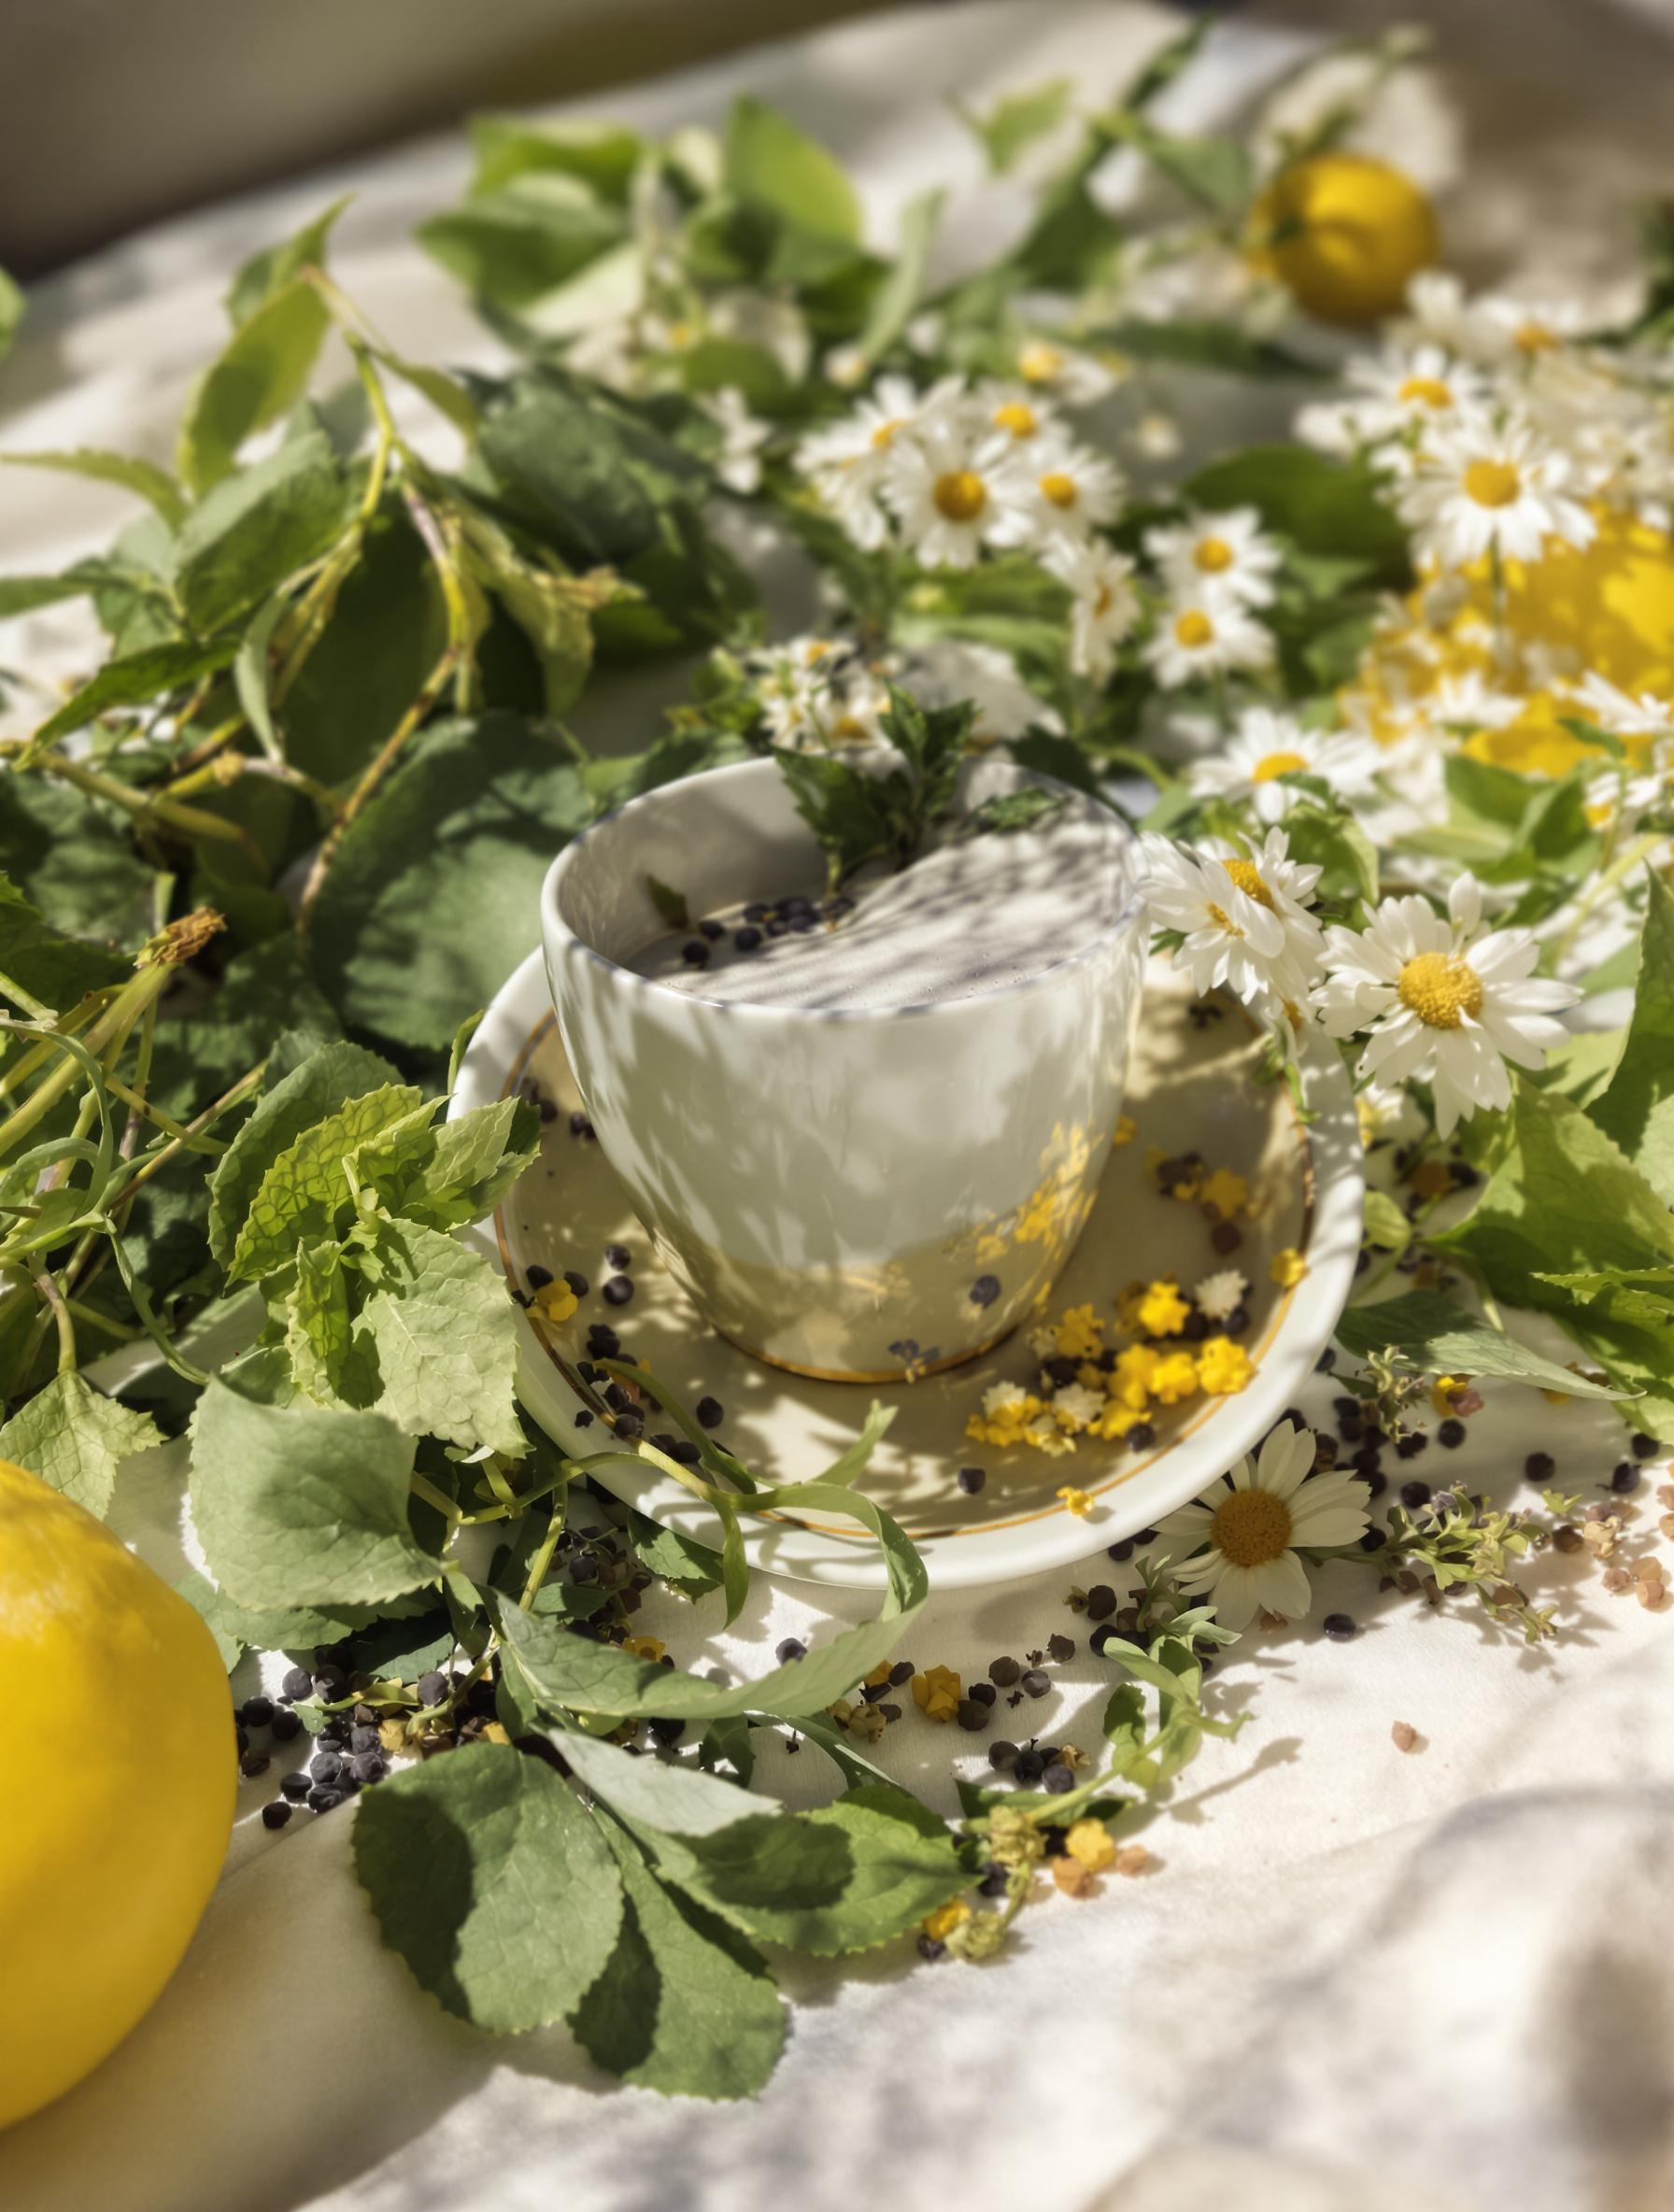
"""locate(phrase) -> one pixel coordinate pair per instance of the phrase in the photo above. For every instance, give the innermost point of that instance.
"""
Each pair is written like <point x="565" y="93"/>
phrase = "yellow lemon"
<point x="1346" y="233"/>
<point x="111" y="1845"/>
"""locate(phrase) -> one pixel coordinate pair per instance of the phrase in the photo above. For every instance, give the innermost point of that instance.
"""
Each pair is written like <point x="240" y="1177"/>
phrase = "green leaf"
<point x="473" y="1163"/>
<point x="684" y="2006"/>
<point x="1641" y="1297"/>
<point x="75" y="1439"/>
<point x="691" y="1567"/>
<point x="603" y="155"/>
<point x="134" y="679"/>
<point x="666" y="1794"/>
<point x="1386" y="1225"/>
<point x="1159" y="71"/>
<point x="11" y="312"/>
<point x="670" y="904"/>
<point x="572" y="1673"/>
<point x="276" y="267"/>
<point x="1326" y="506"/>
<point x="897" y="299"/>
<point x="304" y="1628"/>
<point x="299" y="1505"/>
<point x="780" y="1881"/>
<point x="1442" y="1338"/>
<point x="1638" y="1107"/>
<point x="1332" y="838"/>
<point x="516" y="246"/>
<point x="855" y="815"/>
<point x="432" y="896"/>
<point x="52" y="968"/>
<point x="326" y="1359"/>
<point x="254" y="529"/>
<point x="1215" y="171"/>
<point x="153" y="484"/>
<point x="445" y="1335"/>
<point x="1017" y="119"/>
<point x="1204" y="343"/>
<point x="203" y="1597"/>
<point x="492" y="1883"/>
<point x="262" y="371"/>
<point x="551" y="609"/>
<point x="307" y="1186"/>
<point x="767" y="163"/>
<point x="326" y="1080"/>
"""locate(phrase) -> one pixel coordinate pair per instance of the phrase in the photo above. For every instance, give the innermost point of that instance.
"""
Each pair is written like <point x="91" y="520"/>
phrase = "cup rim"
<point x="558" y="935"/>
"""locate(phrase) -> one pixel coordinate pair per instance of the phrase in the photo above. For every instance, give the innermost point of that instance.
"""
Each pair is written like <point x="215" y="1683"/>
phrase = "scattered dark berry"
<point x="666" y="1732"/>
<point x="1002" y="1755"/>
<point x="1101" y="1602"/>
<point x="1413" y="1495"/>
<point x="256" y="1712"/>
<point x="276" y="1814"/>
<point x="294" y="1786"/>
<point x="1374" y="1540"/>
<point x="970" y="1480"/>
<point x="746" y="938"/>
<point x="1411" y="1445"/>
<point x="253" y="1764"/>
<point x="1540" y="1466"/>
<point x="695" y="953"/>
<point x="1029" y="1767"/>
<point x="1339" y="1627"/>
<point x="323" y="1800"/>
<point x="617" y="1256"/>
<point x="711" y="929"/>
<point x="1037" y="1682"/>
<point x="1099" y="1637"/>
<point x="1327" y="1360"/>
<point x="792" y="1648"/>
<point x="577" y="1282"/>
<point x="1003" y="1671"/>
<point x="1226" y="1236"/>
<point x="985" y="1290"/>
<point x="1643" y="1446"/>
<point x="432" y="1688"/>
<point x="617" y="1290"/>
<point x="286" y="1726"/>
<point x="1624" y="1477"/>
<point x="1061" y="1647"/>
<point x="1121" y="1551"/>
<point x="984" y="1692"/>
<point x="1142" y="1435"/>
<point x="710" y="1412"/>
<point x="1057" y="1777"/>
<point x="972" y="1714"/>
<point x="298" y="1682"/>
<point x="630" y="1425"/>
<point x="901" y="1674"/>
<point x="1451" y="1435"/>
<point x="930" y="1948"/>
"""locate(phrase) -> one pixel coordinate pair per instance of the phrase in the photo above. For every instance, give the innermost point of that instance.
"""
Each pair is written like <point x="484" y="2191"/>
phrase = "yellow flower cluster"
<point x="554" y="1302"/>
<point x="936" y="1693"/>
<point x="1105" y="1401"/>
<point x="1223" y="1193"/>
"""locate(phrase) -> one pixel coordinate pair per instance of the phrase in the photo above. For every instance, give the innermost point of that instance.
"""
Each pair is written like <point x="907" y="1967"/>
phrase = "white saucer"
<point x="1192" y="1088"/>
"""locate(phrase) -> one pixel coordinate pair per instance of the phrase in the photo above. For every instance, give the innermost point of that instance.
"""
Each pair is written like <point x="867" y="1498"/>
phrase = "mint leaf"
<point x="54" y="969"/>
<point x="276" y="266"/>
<point x="782" y="1881"/>
<point x="493" y="1882"/>
<point x="325" y="1079"/>
<point x="75" y="1439"/>
<point x="684" y="2006"/>
<point x="1017" y="119"/>
<point x="767" y="163"/>
<point x="1638" y="1107"/>
<point x="445" y="1335"/>
<point x="475" y="1161"/>
<point x="262" y="370"/>
<point x="301" y="1505"/>
<point x="320" y="1338"/>
<point x="302" y="1194"/>
<point x="1643" y="1297"/>
<point x="152" y="484"/>
<point x="256" y="528"/>
<point x="1443" y="1338"/>
<point x="134" y="679"/>
<point x="665" y="1794"/>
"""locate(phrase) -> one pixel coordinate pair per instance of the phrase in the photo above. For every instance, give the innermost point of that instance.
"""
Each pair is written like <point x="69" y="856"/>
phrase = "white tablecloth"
<point x="1353" y="1979"/>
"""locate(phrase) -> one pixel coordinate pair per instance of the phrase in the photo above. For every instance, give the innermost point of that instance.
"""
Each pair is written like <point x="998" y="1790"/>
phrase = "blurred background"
<point x="117" y="115"/>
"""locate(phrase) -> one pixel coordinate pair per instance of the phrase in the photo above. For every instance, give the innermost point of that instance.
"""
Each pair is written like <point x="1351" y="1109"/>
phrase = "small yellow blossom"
<point x="646" y="1647"/>
<point x="1129" y="1381"/>
<point x="1443" y="1390"/>
<point x="1162" y="1311"/>
<point x="1090" y="1842"/>
<point x="1114" y="1423"/>
<point x="1127" y="1130"/>
<point x="554" y="1302"/>
<point x="936" y="1693"/>
<point x="940" y="1924"/>
<point x="1226" y="1192"/>
<point x="1176" y="1378"/>
<point x="1223" y="1366"/>
<point x="1080" y="1334"/>
<point x="1079" y="1502"/>
<point x="1288" y="1267"/>
<point x="1127" y="1303"/>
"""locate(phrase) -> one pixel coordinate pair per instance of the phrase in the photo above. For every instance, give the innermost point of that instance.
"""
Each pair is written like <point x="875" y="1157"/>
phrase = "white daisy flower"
<point x="738" y="465"/>
<point x="1069" y="375"/>
<point x="1103" y="604"/>
<point x="815" y="694"/>
<point x="1440" y="313"/>
<point x="1155" y="436"/>
<point x="1253" y="1520"/>
<point x="1219" y="1295"/>
<point x="1228" y="554"/>
<point x="1078" y="1404"/>
<point x="847" y="460"/>
<point x="1268" y="745"/>
<point x="1395" y="395"/>
<point x="1245" y="923"/>
<point x="1003" y="1397"/>
<point x="1477" y="489"/>
<point x="953" y="493"/>
<point x="1622" y="714"/>
<point x="1013" y="407"/>
<point x="1442" y="1002"/>
<point x="1067" y="490"/>
<point x="923" y="335"/>
<point x="846" y="366"/>
<point x="951" y="672"/>
<point x="1208" y="636"/>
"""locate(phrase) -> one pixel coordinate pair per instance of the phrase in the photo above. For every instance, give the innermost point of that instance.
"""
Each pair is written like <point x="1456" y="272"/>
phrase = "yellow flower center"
<point x="1492" y="483"/>
<point x="1102" y="604"/>
<point x="1211" y="555"/>
<point x="885" y="433"/>
<point x="1535" y="338"/>
<point x="1252" y="1528"/>
<point x="1059" y="488"/>
<point x="1427" y="391"/>
<point x="1276" y="764"/>
<point x="1222" y="920"/>
<point x="1441" y="988"/>
<point x="961" y="495"/>
<point x="1244" y="875"/>
<point x="1039" y="363"/>
<point x="1017" y="416"/>
<point x="1193" y="628"/>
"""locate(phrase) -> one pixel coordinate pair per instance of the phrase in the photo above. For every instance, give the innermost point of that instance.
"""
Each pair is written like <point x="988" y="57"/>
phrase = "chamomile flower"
<point x="1063" y="372"/>
<point x="1478" y="488"/>
<point x="1227" y="554"/>
<point x="1067" y="490"/>
<point x="1441" y="1001"/>
<point x="1622" y="714"/>
<point x="1396" y="395"/>
<point x="1250" y="1524"/>
<point x="738" y="465"/>
<point x="1103" y="604"/>
<point x="1266" y="747"/>
<point x="1244" y="923"/>
<point x="1219" y="1295"/>
<point x="1024" y="414"/>
<point x="1203" y="637"/>
<point x="846" y="462"/>
<point x="954" y="490"/>
<point x="1440" y="313"/>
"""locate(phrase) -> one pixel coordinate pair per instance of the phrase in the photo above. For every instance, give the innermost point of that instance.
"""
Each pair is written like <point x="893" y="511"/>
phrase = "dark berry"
<point x="1057" y="1777"/>
<point x="325" y="1767"/>
<point x="711" y="929"/>
<point x="970" y="1480"/>
<point x="792" y="1648"/>
<point x="323" y="1800"/>
<point x="1339" y="1627"/>
<point x="253" y="1764"/>
<point x="694" y="952"/>
<point x="756" y="911"/>
<point x="985" y="1290"/>
<point x="295" y="1785"/>
<point x="1374" y="1540"/>
<point x="1099" y="1637"/>
<point x="630" y="1425"/>
<point x="256" y="1712"/>
<point x="746" y="939"/>
<point x="1643" y="1446"/>
<point x="1411" y="1445"/>
<point x="1036" y="1681"/>
<point x="432" y="1688"/>
<point x="667" y="1731"/>
<point x="286" y="1726"/>
<point x="1540" y="1466"/>
<point x="577" y="1282"/>
<point x="984" y="1692"/>
<point x="617" y="1290"/>
<point x="1002" y="1756"/>
<point x="1226" y="1236"/>
<point x="617" y="1256"/>
<point x="276" y="1814"/>
<point x="901" y="1674"/>
<point x="931" y="1947"/>
<point x="1327" y="1360"/>
<point x="1451" y="1435"/>
<point x="1413" y="1495"/>
<point x="1101" y="1602"/>
<point x="973" y="1714"/>
<point x="368" y="1767"/>
<point x="298" y="1682"/>
<point x="1003" y="1671"/>
<point x="1140" y="1436"/>
<point x="710" y="1412"/>
<point x="1029" y="1767"/>
<point x="1121" y="1551"/>
<point x="1624" y="1477"/>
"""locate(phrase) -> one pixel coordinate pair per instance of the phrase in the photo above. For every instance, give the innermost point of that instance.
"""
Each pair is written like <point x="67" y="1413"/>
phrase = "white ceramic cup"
<point x="855" y="1194"/>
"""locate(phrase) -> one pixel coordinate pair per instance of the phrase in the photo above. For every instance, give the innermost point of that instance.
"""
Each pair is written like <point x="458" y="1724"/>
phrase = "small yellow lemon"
<point x="109" y="1849"/>
<point x="1346" y="233"/>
